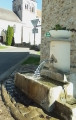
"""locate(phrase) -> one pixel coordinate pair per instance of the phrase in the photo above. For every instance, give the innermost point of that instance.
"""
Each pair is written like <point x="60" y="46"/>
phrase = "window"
<point x="25" y="6"/>
<point x="32" y="8"/>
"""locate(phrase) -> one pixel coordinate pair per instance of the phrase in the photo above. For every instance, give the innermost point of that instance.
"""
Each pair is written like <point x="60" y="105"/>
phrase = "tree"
<point x="9" y="35"/>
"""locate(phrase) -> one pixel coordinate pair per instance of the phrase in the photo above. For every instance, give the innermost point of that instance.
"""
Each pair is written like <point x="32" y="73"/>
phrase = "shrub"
<point x="9" y="35"/>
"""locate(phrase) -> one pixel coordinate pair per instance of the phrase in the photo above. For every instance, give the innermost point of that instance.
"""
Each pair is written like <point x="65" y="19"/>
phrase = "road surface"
<point x="11" y="56"/>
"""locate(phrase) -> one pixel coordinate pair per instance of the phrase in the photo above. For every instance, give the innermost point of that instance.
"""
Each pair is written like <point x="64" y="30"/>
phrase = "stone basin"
<point x="60" y="33"/>
<point x="42" y="90"/>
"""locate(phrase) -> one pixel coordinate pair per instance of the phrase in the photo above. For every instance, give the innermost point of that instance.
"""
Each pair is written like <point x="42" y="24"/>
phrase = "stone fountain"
<point x="49" y="86"/>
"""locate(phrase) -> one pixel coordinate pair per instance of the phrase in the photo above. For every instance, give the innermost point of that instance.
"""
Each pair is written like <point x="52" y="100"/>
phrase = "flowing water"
<point x="37" y="72"/>
<point x="40" y="67"/>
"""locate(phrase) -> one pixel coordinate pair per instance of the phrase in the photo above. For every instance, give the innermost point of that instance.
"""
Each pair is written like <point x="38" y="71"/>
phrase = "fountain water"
<point x="40" y="67"/>
<point x="37" y="72"/>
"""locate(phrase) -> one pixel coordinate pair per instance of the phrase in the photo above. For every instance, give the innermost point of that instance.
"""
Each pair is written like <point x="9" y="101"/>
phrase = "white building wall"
<point x="26" y="15"/>
<point x="38" y="35"/>
<point x="26" y="34"/>
<point x="17" y="35"/>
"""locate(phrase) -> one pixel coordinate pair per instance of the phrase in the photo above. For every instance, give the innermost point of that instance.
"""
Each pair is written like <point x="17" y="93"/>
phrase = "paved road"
<point x="11" y="56"/>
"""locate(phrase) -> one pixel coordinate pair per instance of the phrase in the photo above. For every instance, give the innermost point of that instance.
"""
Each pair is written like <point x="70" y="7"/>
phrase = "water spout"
<point x="40" y="67"/>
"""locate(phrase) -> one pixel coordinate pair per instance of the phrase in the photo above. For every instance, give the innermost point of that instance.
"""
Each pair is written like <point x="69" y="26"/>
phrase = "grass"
<point x="3" y="47"/>
<point x="32" y="60"/>
<point x="38" y="53"/>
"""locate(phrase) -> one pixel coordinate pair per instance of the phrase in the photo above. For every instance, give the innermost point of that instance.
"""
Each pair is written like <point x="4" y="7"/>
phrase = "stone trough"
<point x="43" y="91"/>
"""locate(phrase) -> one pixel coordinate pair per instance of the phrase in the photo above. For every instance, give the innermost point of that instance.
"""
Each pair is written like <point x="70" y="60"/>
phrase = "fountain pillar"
<point x="60" y="49"/>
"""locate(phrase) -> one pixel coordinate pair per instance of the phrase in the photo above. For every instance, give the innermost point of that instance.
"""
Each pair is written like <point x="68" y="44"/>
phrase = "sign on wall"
<point x="48" y="34"/>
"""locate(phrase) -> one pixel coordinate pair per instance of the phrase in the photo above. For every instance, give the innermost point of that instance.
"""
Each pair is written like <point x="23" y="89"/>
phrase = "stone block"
<point x="54" y="75"/>
<point x="65" y="111"/>
<point x="42" y="93"/>
<point x="67" y="84"/>
<point x="68" y="89"/>
<point x="72" y="79"/>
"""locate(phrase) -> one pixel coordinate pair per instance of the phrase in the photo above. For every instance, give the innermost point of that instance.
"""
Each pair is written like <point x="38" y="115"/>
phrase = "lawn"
<point x="3" y="47"/>
<point x="32" y="60"/>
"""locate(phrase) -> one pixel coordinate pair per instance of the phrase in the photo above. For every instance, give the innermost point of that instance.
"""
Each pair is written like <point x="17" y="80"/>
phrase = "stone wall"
<point x="61" y="12"/>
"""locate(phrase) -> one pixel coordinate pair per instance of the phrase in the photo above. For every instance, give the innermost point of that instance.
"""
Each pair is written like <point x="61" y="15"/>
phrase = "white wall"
<point x="38" y="35"/>
<point x="4" y="24"/>
<point x="26" y="34"/>
<point x="26" y="16"/>
<point x="17" y="34"/>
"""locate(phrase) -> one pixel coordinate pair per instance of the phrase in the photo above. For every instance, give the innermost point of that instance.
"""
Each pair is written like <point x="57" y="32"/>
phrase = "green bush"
<point x="9" y="35"/>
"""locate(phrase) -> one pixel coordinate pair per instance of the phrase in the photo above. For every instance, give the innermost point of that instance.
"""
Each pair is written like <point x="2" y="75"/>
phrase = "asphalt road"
<point x="10" y="57"/>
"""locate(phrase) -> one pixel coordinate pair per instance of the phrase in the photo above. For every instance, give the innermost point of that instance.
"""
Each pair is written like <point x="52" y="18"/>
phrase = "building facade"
<point x="9" y="18"/>
<point x="23" y="11"/>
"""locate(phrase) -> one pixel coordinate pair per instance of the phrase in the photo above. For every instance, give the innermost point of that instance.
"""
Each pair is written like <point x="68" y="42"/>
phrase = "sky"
<point x="7" y="4"/>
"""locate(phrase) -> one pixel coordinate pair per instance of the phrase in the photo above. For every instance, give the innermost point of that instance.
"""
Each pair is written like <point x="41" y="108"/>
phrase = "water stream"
<point x="37" y="71"/>
<point x="40" y="67"/>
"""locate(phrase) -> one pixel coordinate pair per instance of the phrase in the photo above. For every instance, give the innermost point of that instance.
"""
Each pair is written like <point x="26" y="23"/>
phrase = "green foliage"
<point x="59" y="27"/>
<point x="32" y="60"/>
<point x="9" y="35"/>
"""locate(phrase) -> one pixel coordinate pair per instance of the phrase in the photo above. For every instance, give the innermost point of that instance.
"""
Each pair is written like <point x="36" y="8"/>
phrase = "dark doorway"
<point x="1" y="39"/>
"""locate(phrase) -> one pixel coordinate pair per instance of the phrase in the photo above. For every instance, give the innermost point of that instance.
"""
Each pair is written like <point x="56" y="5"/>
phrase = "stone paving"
<point x="18" y="104"/>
